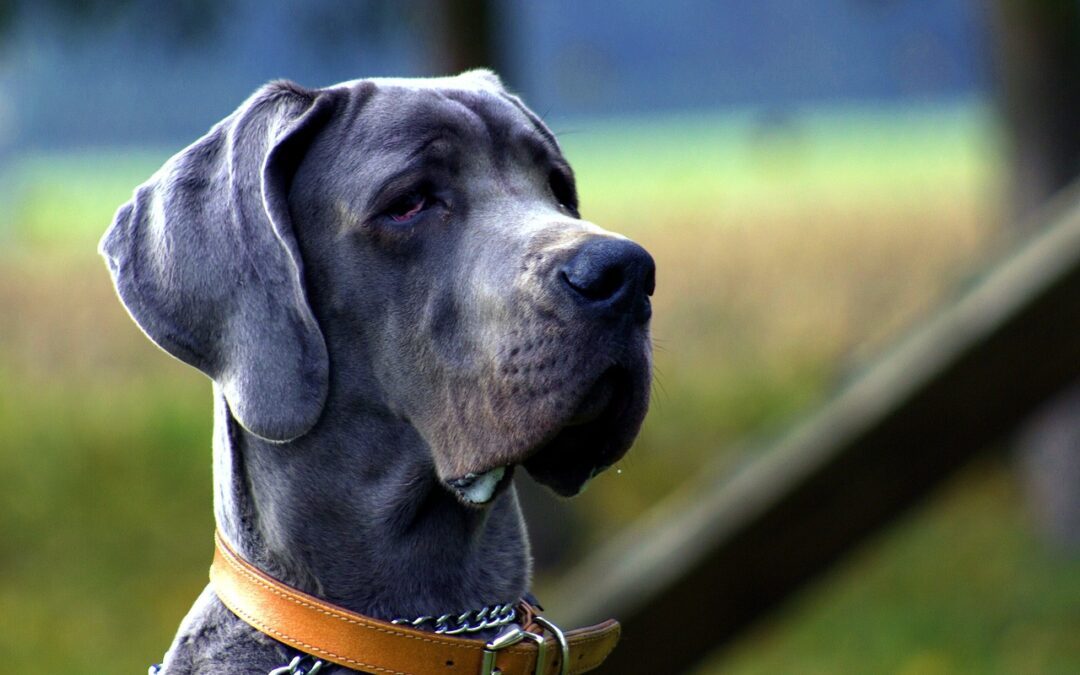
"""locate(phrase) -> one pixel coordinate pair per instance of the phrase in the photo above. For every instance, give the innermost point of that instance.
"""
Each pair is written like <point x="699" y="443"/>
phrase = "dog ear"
<point x="206" y="262"/>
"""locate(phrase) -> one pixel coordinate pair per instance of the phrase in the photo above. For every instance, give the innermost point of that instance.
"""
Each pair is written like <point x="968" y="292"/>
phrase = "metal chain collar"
<point x="297" y="667"/>
<point x="472" y="621"/>
<point x="493" y="616"/>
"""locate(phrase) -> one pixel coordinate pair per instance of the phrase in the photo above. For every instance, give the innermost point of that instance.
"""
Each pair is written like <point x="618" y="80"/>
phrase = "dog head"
<point x="413" y="245"/>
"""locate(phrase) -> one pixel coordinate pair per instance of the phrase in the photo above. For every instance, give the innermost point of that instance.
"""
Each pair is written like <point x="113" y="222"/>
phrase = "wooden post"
<point x="461" y="34"/>
<point x="1037" y="55"/>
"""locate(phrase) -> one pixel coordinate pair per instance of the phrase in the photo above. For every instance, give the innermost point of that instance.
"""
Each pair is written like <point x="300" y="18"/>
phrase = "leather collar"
<point x="337" y="635"/>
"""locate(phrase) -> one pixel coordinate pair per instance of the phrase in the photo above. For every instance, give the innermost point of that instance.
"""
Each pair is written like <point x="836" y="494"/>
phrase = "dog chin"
<point x="593" y="437"/>
<point x="596" y="436"/>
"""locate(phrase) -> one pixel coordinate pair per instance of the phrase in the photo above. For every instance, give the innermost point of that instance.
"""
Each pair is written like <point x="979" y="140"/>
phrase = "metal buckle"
<point x="541" y="652"/>
<point x="515" y="634"/>
<point x="560" y="637"/>
<point x="508" y="638"/>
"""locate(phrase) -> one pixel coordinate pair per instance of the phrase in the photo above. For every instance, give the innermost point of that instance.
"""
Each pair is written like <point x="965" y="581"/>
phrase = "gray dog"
<point x="390" y="286"/>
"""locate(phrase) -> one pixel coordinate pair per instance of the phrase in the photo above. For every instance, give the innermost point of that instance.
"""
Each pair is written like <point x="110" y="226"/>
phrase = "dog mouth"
<point x="596" y="435"/>
<point x="478" y="489"/>
<point x="592" y="438"/>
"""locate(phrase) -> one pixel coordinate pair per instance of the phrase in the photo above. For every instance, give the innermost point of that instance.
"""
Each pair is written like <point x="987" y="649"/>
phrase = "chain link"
<point x="472" y="621"/>
<point x="296" y="666"/>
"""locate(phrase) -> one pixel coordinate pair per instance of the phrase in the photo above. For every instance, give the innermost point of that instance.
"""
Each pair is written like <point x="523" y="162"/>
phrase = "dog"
<point x="392" y="290"/>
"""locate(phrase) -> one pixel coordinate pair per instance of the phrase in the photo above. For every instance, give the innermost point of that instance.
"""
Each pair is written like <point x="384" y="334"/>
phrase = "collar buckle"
<point x="508" y="638"/>
<point x="515" y="634"/>
<point x="564" y="645"/>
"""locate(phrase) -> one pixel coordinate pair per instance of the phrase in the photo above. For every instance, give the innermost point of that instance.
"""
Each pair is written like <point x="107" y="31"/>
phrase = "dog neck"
<point x="353" y="513"/>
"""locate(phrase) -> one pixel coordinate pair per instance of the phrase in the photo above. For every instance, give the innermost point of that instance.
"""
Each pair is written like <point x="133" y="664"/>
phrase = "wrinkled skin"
<point x="448" y="323"/>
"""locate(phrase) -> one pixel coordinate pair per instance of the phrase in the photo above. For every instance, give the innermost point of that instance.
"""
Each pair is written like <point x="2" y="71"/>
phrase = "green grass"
<point x="960" y="587"/>
<point x="786" y="253"/>
<point x="64" y="200"/>
<point x="105" y="517"/>
<point x="689" y="167"/>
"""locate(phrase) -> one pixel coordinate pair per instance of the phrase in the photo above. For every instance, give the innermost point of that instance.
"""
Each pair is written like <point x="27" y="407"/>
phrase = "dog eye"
<point x="563" y="190"/>
<point x="404" y="209"/>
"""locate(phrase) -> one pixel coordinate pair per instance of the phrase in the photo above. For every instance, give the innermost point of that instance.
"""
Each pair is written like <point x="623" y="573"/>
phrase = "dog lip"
<point x="594" y="437"/>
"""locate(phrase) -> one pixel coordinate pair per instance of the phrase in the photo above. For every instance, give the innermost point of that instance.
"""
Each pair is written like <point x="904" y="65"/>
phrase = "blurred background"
<point x="814" y="179"/>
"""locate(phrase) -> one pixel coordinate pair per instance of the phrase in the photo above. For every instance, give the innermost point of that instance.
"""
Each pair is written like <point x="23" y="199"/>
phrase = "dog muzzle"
<point x="327" y="632"/>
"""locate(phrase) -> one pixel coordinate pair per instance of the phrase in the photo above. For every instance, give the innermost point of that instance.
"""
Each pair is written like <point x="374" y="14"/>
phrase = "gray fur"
<point x="362" y="366"/>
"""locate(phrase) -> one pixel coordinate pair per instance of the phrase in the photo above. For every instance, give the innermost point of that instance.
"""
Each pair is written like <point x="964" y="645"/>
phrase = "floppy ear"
<point x="205" y="260"/>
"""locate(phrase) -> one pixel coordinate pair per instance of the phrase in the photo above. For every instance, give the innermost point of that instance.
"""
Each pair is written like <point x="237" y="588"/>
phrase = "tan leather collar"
<point x="335" y="634"/>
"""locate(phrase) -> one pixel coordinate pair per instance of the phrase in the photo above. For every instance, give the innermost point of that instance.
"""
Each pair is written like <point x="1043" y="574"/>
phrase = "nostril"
<point x="612" y="276"/>
<point x="596" y="287"/>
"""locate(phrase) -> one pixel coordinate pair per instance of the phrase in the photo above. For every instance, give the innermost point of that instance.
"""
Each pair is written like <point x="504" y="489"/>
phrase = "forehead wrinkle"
<point x="439" y="145"/>
<point x="480" y="105"/>
<point x="405" y="120"/>
<point x="414" y="136"/>
<point x="411" y="123"/>
<point x="538" y="126"/>
<point x="510" y="129"/>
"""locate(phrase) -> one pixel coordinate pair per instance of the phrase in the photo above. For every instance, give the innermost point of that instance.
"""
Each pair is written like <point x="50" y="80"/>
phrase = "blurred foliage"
<point x="186" y="25"/>
<point x="183" y="19"/>
<point x="787" y="250"/>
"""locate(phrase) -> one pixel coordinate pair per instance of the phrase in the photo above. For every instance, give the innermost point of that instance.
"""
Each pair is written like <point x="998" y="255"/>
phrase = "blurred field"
<point x="960" y="588"/>
<point x="788" y="250"/>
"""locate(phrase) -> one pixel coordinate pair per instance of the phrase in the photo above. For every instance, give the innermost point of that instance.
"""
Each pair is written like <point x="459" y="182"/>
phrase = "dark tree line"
<point x="460" y="33"/>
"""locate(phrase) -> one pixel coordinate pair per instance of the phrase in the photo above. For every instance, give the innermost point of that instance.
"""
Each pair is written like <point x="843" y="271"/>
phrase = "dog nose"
<point x="612" y="277"/>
